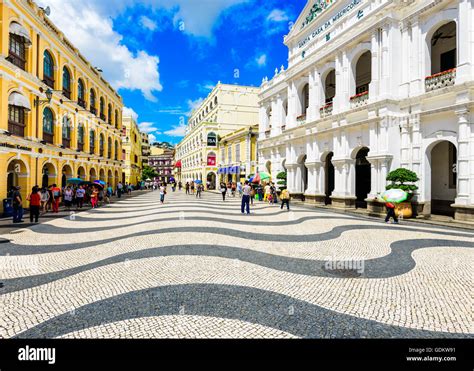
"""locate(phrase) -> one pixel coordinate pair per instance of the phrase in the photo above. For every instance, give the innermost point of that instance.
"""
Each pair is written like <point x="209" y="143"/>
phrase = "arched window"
<point x="48" y="70"/>
<point x="81" y="94"/>
<point x="92" y="142"/>
<point x="93" y="103"/>
<point x="66" y="83"/>
<point x="80" y="137"/>
<point x="116" y="150"/>
<point x="66" y="131"/>
<point x="109" y="148"/>
<point x="102" y="108"/>
<point x="109" y="114"/>
<point x="101" y="145"/>
<point x="48" y="125"/>
<point x="18" y="42"/>
<point x="116" y="119"/>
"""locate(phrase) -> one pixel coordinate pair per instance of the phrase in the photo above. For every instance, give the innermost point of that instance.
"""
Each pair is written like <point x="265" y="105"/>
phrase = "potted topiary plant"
<point x="281" y="181"/>
<point x="405" y="180"/>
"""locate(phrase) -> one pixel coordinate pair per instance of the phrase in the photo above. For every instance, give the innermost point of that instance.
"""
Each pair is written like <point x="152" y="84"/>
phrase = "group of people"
<point x="49" y="199"/>
<point x="262" y="192"/>
<point x="194" y="188"/>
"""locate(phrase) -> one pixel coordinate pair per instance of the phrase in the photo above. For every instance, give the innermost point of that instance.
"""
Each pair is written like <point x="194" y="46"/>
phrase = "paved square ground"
<point x="198" y="268"/>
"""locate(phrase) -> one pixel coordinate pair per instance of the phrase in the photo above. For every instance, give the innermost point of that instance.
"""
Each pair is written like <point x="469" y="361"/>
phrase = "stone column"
<point x="374" y="177"/>
<point x="314" y="92"/>
<point x="312" y="179"/>
<point x="465" y="165"/>
<point x="416" y="61"/>
<point x="375" y="51"/>
<point x="343" y="195"/>
<point x="405" y="144"/>
<point x="405" y="60"/>
<point x="464" y="35"/>
<point x="291" y="178"/>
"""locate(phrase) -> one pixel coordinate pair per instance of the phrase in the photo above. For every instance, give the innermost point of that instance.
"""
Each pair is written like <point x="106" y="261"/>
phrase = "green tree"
<point x="148" y="173"/>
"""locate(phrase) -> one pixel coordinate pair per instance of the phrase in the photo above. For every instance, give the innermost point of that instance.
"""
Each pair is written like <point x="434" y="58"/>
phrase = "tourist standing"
<point x="68" y="195"/>
<point x="285" y="199"/>
<point x="239" y="189"/>
<point x="17" y="205"/>
<point x="245" y="205"/>
<point x="180" y="186"/>
<point x="80" y="194"/>
<point x="233" y="188"/>
<point x="94" y="197"/>
<point x="35" y="204"/>
<point x="192" y="188"/>
<point x="187" y="188"/>
<point x="199" y="190"/>
<point x="119" y="189"/>
<point x="252" y="194"/>
<point x="56" y="197"/>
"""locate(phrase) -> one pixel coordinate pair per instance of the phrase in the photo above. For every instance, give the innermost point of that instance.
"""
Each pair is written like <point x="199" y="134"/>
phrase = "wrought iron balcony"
<point x="326" y="110"/>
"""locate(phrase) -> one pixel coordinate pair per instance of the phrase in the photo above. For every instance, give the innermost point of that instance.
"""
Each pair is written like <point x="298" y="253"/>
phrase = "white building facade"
<point x="372" y="86"/>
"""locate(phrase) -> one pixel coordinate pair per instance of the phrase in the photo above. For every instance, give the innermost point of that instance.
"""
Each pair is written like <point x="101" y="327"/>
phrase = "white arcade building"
<point x="371" y="86"/>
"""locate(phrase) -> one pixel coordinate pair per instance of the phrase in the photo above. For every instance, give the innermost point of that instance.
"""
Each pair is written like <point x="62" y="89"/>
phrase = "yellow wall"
<point x="23" y="158"/>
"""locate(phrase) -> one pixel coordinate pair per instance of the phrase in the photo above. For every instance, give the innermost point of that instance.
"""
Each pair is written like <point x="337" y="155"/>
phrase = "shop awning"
<point x="18" y="100"/>
<point x="18" y="29"/>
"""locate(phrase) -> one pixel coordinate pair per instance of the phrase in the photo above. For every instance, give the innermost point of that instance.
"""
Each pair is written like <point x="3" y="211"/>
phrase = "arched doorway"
<point x="211" y="179"/>
<point x="110" y="178"/>
<point x="81" y="173"/>
<point x="362" y="174"/>
<point x="302" y="175"/>
<point x="17" y="175"/>
<point x="443" y="163"/>
<point x="66" y="174"/>
<point x="92" y="174"/>
<point x="268" y="167"/>
<point x="329" y="177"/>
<point x="49" y="175"/>
<point x="102" y="175"/>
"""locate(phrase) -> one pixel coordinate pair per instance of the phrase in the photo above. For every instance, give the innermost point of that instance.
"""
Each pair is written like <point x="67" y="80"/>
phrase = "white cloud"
<point x="90" y="29"/>
<point x="129" y="112"/>
<point x="194" y="104"/>
<point x="177" y="131"/>
<point x="151" y="138"/>
<point x="148" y="127"/>
<point x="278" y="15"/>
<point x="261" y="60"/>
<point x="148" y="23"/>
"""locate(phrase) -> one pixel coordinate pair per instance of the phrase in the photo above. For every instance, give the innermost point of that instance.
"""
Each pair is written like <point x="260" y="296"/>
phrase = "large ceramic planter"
<point x="405" y="209"/>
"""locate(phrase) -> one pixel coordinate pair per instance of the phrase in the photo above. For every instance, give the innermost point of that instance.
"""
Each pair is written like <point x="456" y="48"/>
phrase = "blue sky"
<point x="165" y="55"/>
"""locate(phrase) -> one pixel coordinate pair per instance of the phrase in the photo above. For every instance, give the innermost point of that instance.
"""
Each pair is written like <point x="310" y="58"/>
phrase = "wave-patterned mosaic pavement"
<point x="198" y="268"/>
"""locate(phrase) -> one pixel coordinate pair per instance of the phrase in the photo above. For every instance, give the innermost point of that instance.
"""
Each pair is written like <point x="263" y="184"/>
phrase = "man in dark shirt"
<point x="17" y="206"/>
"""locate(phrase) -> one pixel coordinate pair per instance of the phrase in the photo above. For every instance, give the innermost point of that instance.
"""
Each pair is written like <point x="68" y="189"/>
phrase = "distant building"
<point x="162" y="160"/>
<point x="132" y="150"/>
<point x="146" y="151"/>
<point x="227" y="109"/>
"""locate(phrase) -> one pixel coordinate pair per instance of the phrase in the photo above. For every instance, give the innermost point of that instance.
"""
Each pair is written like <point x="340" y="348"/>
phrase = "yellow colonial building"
<point x="132" y="150"/>
<point x="59" y="117"/>
<point x="238" y="155"/>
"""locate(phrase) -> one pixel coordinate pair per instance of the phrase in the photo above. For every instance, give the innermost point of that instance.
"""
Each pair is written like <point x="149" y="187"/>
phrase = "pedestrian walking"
<point x="17" y="205"/>
<point x="162" y="194"/>
<point x="245" y="204"/>
<point x="187" y="188"/>
<point x="35" y="204"/>
<point x="49" y="205"/>
<point x="223" y="190"/>
<point x="233" y="188"/>
<point x="119" y="189"/>
<point x="239" y="189"/>
<point x="199" y="190"/>
<point x="268" y="192"/>
<point x="391" y="212"/>
<point x="252" y="195"/>
<point x="180" y="186"/>
<point x="44" y="194"/>
<point x="192" y="188"/>
<point x="94" y="197"/>
<point x="285" y="199"/>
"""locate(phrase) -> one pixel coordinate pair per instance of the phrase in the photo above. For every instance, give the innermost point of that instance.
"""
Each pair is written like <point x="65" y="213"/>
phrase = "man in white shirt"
<point x="246" y="198"/>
